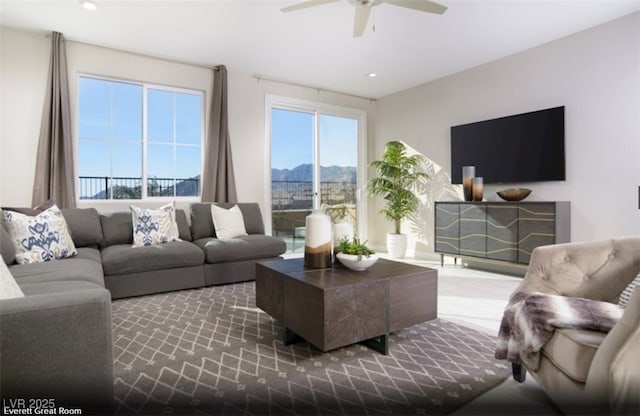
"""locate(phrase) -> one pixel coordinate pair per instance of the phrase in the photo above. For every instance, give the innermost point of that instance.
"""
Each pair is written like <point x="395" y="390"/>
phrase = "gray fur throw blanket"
<point x="530" y="319"/>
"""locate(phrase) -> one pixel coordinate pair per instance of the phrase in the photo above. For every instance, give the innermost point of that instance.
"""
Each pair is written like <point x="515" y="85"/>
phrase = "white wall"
<point x="24" y="60"/>
<point x="595" y="74"/>
<point x="23" y="68"/>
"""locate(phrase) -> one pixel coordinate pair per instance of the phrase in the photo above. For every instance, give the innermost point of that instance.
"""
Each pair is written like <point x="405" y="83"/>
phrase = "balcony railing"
<point x="292" y="201"/>
<point x="105" y="187"/>
<point x="298" y="195"/>
<point x="286" y="195"/>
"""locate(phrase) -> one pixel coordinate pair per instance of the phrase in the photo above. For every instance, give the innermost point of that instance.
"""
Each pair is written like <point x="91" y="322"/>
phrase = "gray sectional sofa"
<point x="56" y="342"/>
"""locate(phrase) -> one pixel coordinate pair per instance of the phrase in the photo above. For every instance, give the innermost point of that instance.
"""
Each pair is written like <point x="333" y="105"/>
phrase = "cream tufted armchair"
<point x="586" y="371"/>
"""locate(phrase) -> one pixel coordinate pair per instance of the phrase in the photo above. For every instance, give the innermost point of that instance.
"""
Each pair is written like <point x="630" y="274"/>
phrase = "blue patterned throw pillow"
<point x="43" y="237"/>
<point x="154" y="226"/>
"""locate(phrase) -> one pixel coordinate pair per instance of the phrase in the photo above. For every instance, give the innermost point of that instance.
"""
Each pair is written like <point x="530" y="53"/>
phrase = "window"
<point x="138" y="141"/>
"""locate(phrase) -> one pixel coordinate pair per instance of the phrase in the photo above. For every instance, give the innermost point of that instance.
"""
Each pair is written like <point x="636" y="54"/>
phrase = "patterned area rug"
<point x="212" y="352"/>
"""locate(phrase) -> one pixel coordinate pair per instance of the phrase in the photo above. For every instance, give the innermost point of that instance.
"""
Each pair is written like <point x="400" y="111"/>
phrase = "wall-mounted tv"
<point x="525" y="147"/>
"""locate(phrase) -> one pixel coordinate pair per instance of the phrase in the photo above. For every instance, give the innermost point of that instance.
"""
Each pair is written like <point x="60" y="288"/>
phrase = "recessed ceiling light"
<point x="88" y="4"/>
<point x="372" y="74"/>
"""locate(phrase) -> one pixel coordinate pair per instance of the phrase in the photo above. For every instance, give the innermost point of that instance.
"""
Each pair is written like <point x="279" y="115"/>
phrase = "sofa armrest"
<point x="58" y="346"/>
<point x="614" y="375"/>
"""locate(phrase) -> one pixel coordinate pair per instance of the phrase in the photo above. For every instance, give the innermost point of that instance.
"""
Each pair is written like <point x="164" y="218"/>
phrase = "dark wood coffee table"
<point x="334" y="307"/>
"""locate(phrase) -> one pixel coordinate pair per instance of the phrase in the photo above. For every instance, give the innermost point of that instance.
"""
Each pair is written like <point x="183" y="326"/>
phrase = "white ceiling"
<point x="315" y="46"/>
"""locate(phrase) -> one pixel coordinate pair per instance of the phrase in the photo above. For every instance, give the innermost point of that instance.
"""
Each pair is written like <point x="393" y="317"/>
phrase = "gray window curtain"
<point x="55" y="175"/>
<point x="218" y="181"/>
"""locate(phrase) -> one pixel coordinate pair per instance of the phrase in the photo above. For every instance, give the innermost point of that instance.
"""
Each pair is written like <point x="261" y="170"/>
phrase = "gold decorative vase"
<point x="478" y="188"/>
<point x="468" y="172"/>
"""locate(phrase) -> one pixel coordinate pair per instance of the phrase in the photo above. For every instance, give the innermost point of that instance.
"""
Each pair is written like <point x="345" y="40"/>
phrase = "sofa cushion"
<point x="248" y="247"/>
<point x="32" y="212"/>
<point x="84" y="226"/>
<point x="49" y="288"/>
<point x="7" y="250"/>
<point x="89" y="253"/>
<point x="122" y="258"/>
<point x="82" y="267"/>
<point x="183" y="225"/>
<point x="251" y="213"/>
<point x="154" y="226"/>
<point x="39" y="238"/>
<point x="9" y="289"/>
<point x="202" y="222"/>
<point x="117" y="228"/>
<point x="228" y="223"/>
<point x="572" y="350"/>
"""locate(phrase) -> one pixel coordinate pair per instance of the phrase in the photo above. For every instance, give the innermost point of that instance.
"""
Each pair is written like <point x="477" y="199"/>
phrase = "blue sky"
<point x="292" y="139"/>
<point x="111" y="123"/>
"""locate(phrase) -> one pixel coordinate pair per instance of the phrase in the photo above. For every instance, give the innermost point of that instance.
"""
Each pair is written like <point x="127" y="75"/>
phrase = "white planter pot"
<point x="396" y="245"/>
<point x="351" y="261"/>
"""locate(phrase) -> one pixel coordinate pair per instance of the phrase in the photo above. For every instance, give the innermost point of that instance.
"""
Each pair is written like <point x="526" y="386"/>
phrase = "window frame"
<point x="317" y="109"/>
<point x="144" y="139"/>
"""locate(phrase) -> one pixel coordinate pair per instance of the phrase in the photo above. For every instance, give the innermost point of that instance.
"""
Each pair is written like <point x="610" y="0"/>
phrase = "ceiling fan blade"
<point x="360" y="22"/>
<point x="306" y="4"/>
<point x="422" y="5"/>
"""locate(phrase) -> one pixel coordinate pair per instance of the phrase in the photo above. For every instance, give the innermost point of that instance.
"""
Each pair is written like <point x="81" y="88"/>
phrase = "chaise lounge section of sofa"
<point x="56" y="341"/>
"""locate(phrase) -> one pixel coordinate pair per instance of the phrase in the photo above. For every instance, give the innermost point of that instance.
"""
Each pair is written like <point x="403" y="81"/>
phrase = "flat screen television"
<point x="525" y="147"/>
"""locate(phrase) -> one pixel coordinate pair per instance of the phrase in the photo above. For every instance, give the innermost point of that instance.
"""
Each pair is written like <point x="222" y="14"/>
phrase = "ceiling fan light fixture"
<point x="364" y="7"/>
<point x="372" y="75"/>
<point x="88" y="4"/>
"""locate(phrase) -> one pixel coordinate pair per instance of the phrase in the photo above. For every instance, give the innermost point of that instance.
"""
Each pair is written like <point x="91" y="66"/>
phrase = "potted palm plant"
<point x="396" y="175"/>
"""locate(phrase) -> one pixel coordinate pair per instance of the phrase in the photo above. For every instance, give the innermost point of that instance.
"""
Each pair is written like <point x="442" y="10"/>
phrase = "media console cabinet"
<point x="505" y="231"/>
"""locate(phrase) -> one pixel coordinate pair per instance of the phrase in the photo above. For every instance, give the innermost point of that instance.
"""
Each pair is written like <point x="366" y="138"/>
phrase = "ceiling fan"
<point x="363" y="9"/>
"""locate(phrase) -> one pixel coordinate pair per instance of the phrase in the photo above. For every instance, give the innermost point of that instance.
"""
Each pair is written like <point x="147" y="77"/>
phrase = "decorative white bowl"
<point x="350" y="261"/>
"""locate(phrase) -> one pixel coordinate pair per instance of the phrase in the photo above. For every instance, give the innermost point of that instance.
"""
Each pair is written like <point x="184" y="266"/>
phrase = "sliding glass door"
<point x="338" y="176"/>
<point x="314" y="163"/>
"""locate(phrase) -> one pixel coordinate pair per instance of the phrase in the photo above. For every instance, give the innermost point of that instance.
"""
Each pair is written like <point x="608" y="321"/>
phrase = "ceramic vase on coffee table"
<point x="317" y="240"/>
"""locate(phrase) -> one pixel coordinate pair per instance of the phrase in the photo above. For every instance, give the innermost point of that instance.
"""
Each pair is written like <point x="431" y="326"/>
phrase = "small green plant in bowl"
<point x="355" y="254"/>
<point x="354" y="247"/>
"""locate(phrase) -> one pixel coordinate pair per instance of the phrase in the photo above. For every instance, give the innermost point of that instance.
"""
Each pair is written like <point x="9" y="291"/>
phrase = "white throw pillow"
<point x="228" y="223"/>
<point x="625" y="296"/>
<point x="154" y="226"/>
<point x="9" y="289"/>
<point x="43" y="237"/>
